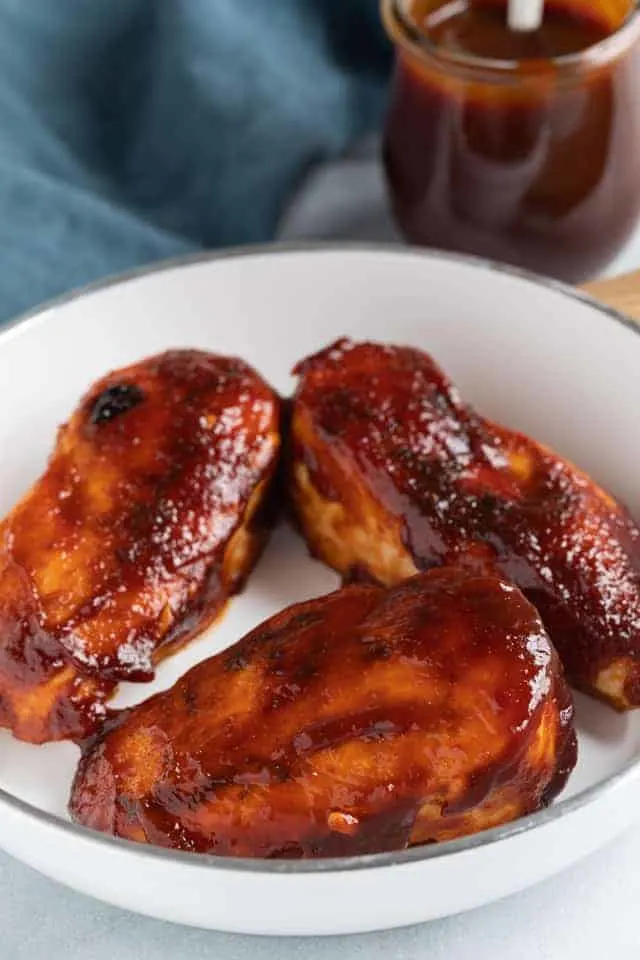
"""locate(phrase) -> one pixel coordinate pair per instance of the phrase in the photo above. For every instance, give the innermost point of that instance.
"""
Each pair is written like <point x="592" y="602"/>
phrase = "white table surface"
<point x="590" y="912"/>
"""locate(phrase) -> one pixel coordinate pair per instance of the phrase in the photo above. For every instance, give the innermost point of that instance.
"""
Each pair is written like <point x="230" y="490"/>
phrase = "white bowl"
<point x="529" y="353"/>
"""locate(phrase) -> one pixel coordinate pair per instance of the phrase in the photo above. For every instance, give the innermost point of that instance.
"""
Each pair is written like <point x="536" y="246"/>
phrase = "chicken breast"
<point x="362" y="721"/>
<point x="392" y="473"/>
<point x="150" y="513"/>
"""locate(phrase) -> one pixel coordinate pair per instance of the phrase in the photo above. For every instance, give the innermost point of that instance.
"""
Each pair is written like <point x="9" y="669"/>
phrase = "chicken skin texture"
<point x="362" y="721"/>
<point x="150" y="513"/>
<point x="391" y="473"/>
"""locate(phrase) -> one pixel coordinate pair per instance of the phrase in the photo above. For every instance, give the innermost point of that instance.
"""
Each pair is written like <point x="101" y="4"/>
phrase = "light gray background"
<point x="591" y="911"/>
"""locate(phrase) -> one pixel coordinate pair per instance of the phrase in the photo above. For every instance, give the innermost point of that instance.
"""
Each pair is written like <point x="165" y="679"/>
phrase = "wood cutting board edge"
<point x="622" y="293"/>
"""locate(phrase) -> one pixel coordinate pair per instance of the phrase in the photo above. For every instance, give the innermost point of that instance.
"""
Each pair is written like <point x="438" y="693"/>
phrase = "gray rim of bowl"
<point x="364" y="861"/>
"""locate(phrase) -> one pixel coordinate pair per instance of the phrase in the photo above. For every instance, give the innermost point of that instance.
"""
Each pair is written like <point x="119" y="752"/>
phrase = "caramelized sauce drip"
<point x="115" y="401"/>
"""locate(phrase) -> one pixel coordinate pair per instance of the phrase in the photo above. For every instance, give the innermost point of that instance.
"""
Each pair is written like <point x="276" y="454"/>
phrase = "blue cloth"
<point x="132" y="130"/>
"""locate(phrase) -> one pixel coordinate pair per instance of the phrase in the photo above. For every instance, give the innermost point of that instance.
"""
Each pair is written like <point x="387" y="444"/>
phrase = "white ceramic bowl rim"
<point x="364" y="861"/>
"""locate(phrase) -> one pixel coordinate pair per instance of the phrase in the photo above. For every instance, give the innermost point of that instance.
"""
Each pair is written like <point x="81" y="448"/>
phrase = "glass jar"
<point x="534" y="160"/>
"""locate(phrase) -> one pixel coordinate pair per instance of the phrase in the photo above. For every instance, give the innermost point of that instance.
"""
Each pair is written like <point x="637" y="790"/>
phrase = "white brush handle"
<point x="525" y="15"/>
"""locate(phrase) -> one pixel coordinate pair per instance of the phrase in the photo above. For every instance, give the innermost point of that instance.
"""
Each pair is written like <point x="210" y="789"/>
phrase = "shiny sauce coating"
<point x="149" y="514"/>
<point x="384" y="435"/>
<point x="358" y="722"/>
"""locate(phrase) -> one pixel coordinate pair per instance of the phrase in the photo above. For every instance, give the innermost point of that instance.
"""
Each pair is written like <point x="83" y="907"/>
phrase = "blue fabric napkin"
<point x="132" y="130"/>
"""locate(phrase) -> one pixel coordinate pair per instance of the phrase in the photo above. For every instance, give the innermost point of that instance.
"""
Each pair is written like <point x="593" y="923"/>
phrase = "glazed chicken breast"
<point x="391" y="473"/>
<point x="362" y="721"/>
<point x="151" y="511"/>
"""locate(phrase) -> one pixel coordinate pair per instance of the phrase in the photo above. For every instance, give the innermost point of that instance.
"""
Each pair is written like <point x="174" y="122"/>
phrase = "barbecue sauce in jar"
<point x="520" y="147"/>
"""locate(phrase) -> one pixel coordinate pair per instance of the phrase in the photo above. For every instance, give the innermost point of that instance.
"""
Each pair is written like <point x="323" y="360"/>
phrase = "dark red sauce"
<point x="480" y="29"/>
<point x="466" y="492"/>
<point x="327" y="729"/>
<point x="534" y="165"/>
<point x="118" y="554"/>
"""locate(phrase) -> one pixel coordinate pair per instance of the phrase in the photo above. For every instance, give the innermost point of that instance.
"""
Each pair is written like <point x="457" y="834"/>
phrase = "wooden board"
<point x="623" y="293"/>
